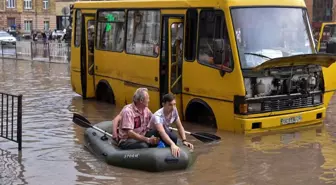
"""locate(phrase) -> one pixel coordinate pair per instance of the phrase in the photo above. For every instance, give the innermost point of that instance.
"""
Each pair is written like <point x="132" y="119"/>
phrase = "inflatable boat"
<point x="149" y="159"/>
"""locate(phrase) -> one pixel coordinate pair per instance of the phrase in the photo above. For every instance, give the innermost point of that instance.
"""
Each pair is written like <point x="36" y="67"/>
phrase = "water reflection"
<point x="298" y="154"/>
<point x="11" y="168"/>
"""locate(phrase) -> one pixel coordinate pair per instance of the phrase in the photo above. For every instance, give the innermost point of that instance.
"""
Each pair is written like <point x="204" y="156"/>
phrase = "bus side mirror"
<point x="219" y="51"/>
<point x="219" y="54"/>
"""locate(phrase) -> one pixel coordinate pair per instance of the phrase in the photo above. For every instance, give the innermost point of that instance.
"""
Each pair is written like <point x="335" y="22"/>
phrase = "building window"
<point x="10" y="3"/>
<point x="111" y="30"/>
<point x="28" y="4"/>
<point x="28" y="25"/>
<point x="10" y="22"/>
<point x="45" y="4"/>
<point x="78" y="28"/>
<point x="46" y="25"/>
<point x="143" y="32"/>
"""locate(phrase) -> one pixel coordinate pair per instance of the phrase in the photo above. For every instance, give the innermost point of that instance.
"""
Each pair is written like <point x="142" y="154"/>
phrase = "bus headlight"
<point x="317" y="99"/>
<point x="251" y="107"/>
<point x="254" y="107"/>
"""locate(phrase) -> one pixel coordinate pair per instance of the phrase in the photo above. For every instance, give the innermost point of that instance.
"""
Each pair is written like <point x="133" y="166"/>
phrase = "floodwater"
<point x="53" y="151"/>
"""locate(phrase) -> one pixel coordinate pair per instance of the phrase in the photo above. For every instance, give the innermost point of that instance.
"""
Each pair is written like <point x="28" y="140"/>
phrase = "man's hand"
<point x="115" y="138"/>
<point x="115" y="124"/>
<point x="153" y="140"/>
<point x="191" y="146"/>
<point x="175" y="150"/>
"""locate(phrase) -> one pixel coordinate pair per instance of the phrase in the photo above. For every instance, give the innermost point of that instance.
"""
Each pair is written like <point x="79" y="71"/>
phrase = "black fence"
<point x="11" y="118"/>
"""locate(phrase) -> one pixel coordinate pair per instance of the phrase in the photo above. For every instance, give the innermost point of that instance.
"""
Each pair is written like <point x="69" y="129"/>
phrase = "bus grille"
<point x="285" y="104"/>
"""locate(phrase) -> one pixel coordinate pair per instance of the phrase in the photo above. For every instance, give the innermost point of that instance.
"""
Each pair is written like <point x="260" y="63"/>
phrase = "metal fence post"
<point x="16" y="55"/>
<point x="2" y="50"/>
<point x="49" y="51"/>
<point x="19" y="122"/>
<point x="69" y="54"/>
<point x="31" y="50"/>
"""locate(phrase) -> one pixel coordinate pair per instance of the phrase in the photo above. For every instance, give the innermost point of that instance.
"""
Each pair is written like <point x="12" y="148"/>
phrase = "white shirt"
<point x="159" y="118"/>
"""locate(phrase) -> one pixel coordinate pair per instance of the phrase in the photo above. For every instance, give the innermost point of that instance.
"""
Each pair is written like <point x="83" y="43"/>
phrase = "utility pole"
<point x="35" y="15"/>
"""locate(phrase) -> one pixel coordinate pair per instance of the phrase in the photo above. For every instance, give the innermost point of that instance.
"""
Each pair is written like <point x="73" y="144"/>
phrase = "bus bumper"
<point x="281" y="122"/>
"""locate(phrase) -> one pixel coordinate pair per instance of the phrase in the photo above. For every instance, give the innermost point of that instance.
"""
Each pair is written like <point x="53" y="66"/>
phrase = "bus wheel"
<point x="200" y="112"/>
<point x="104" y="93"/>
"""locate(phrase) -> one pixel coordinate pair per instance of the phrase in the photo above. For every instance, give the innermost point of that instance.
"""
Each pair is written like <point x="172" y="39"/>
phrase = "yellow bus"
<point x="244" y="66"/>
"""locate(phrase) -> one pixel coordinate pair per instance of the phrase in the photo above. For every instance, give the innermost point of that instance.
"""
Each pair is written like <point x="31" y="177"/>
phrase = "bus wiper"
<point x="259" y="55"/>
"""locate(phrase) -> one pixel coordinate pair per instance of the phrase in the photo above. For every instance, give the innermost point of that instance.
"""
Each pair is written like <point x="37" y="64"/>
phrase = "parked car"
<point x="57" y="34"/>
<point x="27" y="36"/>
<point x="13" y="33"/>
<point x="7" y="38"/>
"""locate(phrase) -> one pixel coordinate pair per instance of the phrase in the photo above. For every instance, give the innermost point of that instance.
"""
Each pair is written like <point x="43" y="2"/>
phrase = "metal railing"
<point x="58" y="52"/>
<point x="11" y="118"/>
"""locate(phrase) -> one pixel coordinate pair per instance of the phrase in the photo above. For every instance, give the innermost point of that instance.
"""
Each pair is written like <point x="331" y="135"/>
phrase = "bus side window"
<point x="143" y="32"/>
<point x="110" y="30"/>
<point x="190" y="35"/>
<point x="214" y="47"/>
<point x="78" y="28"/>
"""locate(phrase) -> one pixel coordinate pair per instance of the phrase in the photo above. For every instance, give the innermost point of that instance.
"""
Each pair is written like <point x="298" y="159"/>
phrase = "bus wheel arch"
<point x="200" y="112"/>
<point x="104" y="92"/>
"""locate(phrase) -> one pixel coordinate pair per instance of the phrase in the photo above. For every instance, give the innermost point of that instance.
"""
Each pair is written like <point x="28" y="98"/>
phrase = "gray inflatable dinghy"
<point x="149" y="159"/>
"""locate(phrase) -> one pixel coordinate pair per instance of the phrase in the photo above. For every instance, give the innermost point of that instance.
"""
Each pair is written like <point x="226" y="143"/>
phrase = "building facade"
<point x="27" y="15"/>
<point x="320" y="11"/>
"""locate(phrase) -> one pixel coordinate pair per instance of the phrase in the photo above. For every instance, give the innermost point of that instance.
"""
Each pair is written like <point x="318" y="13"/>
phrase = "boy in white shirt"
<point x="165" y="117"/>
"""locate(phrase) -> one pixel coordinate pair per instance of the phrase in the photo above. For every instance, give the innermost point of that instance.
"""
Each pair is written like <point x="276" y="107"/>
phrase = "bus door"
<point x="87" y="57"/>
<point x="327" y="37"/>
<point x="327" y="44"/>
<point x="172" y="59"/>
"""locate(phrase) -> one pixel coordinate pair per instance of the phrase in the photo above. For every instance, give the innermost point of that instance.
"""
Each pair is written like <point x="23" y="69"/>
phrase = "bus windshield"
<point x="270" y="32"/>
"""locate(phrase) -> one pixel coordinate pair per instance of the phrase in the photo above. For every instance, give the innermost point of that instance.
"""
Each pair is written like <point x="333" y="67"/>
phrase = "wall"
<point x="60" y="6"/>
<point x="309" y="4"/>
<point x="2" y="5"/>
<point x="4" y="16"/>
<point x="28" y="16"/>
<point x="42" y="18"/>
<point x="51" y="10"/>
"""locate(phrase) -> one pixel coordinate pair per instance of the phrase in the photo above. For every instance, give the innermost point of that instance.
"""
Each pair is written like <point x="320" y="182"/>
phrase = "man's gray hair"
<point x="139" y="94"/>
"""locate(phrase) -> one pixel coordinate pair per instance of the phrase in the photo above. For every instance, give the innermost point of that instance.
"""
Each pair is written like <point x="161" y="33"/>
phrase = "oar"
<point x="83" y="122"/>
<point x="202" y="136"/>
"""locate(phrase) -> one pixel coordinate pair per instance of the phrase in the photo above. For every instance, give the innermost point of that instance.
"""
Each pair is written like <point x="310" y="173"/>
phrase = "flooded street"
<point x="53" y="151"/>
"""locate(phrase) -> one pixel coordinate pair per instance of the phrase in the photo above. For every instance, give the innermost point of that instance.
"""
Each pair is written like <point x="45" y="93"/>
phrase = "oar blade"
<point x="82" y="118"/>
<point x="81" y="121"/>
<point x="205" y="137"/>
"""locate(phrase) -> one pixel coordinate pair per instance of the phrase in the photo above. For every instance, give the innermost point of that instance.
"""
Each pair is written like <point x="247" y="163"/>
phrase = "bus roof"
<point x="183" y="3"/>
